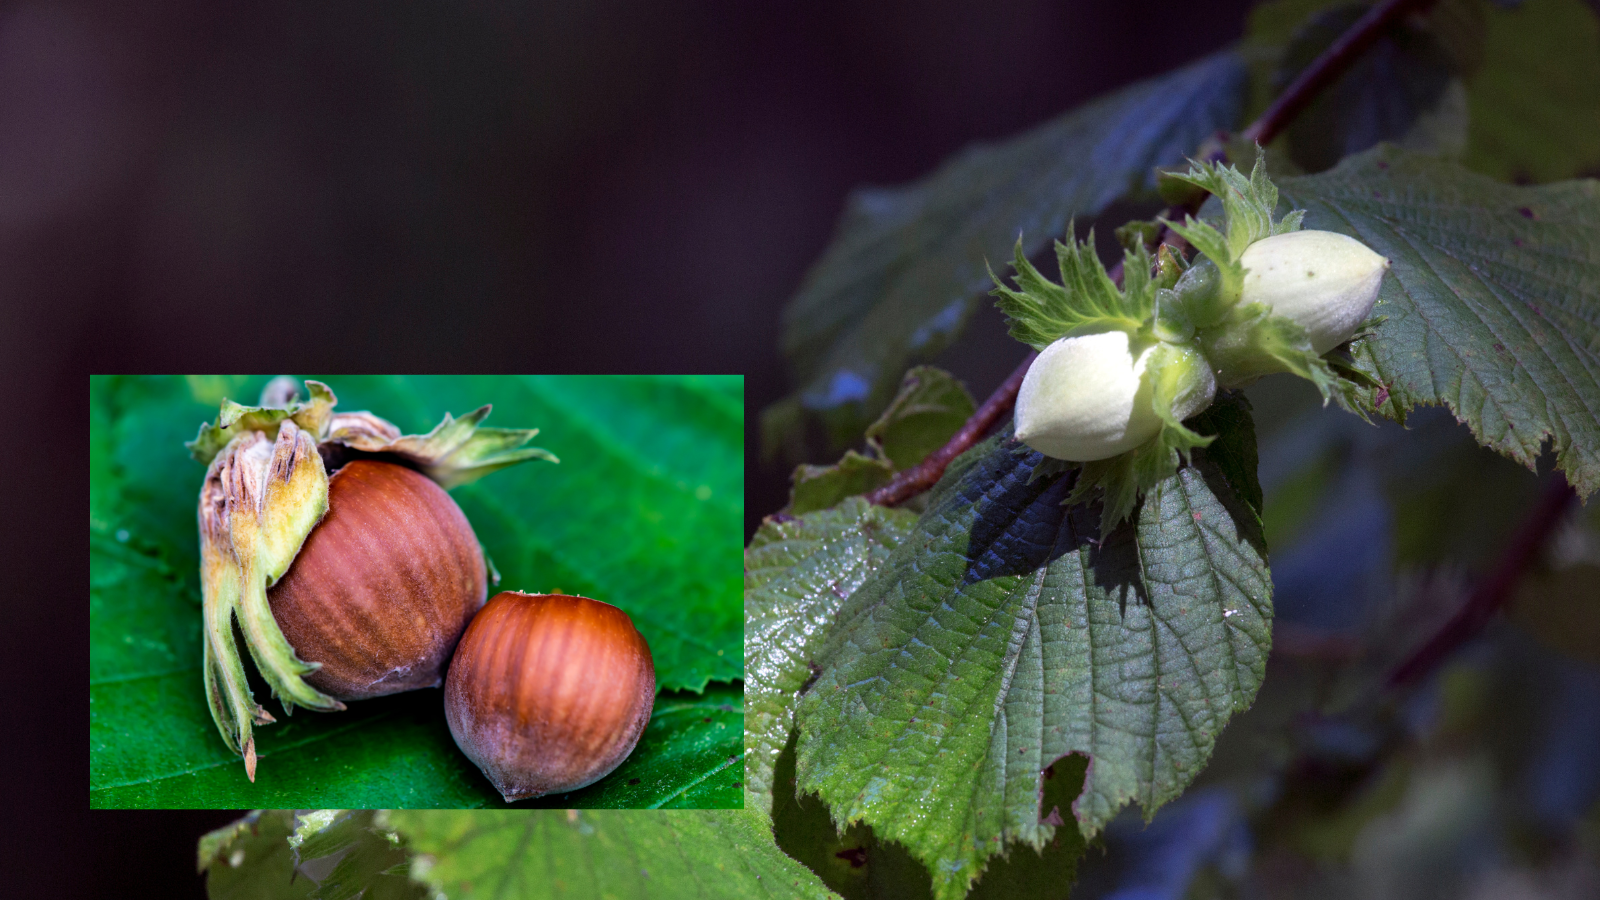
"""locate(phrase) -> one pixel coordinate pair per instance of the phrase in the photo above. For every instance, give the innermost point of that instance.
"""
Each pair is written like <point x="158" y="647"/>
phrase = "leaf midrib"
<point x="275" y="751"/>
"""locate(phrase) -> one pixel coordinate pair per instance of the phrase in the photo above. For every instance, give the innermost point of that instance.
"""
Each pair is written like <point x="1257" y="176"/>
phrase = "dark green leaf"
<point x="1001" y="636"/>
<point x="537" y="854"/>
<point x="251" y="859"/>
<point x="859" y="866"/>
<point x="797" y="573"/>
<point x="644" y="512"/>
<point x="820" y="487"/>
<point x="324" y="855"/>
<point x="348" y="858"/>
<point x="1234" y="450"/>
<point x="909" y="264"/>
<point x="1493" y="303"/>
<point x="930" y="407"/>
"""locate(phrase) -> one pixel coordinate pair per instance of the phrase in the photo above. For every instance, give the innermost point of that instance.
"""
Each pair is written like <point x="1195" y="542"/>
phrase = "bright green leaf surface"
<point x="1493" y="301"/>
<point x="644" y="511"/>
<point x="908" y="264"/>
<point x="797" y="573"/>
<point x="534" y="854"/>
<point x="1000" y="637"/>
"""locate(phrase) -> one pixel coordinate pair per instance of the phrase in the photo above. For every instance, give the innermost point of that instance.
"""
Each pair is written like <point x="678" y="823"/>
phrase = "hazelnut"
<point x="548" y="693"/>
<point x="382" y="589"/>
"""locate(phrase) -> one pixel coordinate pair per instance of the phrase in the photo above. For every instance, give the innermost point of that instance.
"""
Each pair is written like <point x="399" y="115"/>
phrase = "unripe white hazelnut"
<point x="1323" y="281"/>
<point x="1085" y="398"/>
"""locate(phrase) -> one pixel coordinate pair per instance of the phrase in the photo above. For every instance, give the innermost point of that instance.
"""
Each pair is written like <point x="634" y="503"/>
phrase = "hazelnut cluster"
<point x="1120" y="370"/>
<point x="330" y="540"/>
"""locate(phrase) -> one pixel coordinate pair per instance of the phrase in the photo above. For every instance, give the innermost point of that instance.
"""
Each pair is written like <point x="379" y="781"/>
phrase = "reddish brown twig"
<point x="926" y="474"/>
<point x="1327" y="68"/>
<point x="1323" y="71"/>
<point x="1495" y="589"/>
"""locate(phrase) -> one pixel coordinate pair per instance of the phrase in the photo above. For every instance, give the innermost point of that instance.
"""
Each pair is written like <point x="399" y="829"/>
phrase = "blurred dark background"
<point x="609" y="185"/>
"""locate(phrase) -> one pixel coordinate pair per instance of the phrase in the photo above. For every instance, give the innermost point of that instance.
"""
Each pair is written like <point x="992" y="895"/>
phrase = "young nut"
<point x="548" y="693"/>
<point x="1324" y="281"/>
<point x="383" y="588"/>
<point x="1087" y="397"/>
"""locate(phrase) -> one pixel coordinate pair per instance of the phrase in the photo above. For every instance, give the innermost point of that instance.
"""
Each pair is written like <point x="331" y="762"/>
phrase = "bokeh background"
<point x="604" y="185"/>
<point x="610" y="185"/>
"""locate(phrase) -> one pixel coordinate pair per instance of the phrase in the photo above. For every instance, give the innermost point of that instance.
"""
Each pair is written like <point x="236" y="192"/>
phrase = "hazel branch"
<point x="1323" y="71"/>
<point x="1326" y="69"/>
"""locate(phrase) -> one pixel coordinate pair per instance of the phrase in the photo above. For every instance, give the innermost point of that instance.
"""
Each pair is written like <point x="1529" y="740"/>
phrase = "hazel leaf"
<point x="521" y="854"/>
<point x="797" y="573"/>
<point x="930" y="407"/>
<point x="1533" y="101"/>
<point x="1001" y="636"/>
<point x="1490" y="306"/>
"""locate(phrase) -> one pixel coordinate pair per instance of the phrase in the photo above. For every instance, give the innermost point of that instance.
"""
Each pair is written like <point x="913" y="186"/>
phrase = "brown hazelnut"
<point x="549" y="693"/>
<point x="383" y="588"/>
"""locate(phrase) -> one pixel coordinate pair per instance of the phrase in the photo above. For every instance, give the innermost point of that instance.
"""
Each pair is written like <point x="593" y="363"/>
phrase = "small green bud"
<point x="1324" y="282"/>
<point x="1171" y="323"/>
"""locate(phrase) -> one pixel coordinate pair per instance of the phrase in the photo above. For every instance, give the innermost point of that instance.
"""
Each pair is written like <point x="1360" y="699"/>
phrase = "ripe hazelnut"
<point x="384" y="586"/>
<point x="549" y="693"/>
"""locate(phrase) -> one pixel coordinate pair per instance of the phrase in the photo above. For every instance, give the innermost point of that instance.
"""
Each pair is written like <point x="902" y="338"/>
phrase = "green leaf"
<point x="908" y="265"/>
<point x="251" y="859"/>
<point x="537" y="854"/>
<point x="797" y="572"/>
<point x="820" y="487"/>
<point x="930" y="407"/>
<point x="349" y="858"/>
<point x="330" y="854"/>
<point x="1000" y="637"/>
<point x="645" y="511"/>
<point x="1492" y="306"/>
<point x="343" y="854"/>
<point x="859" y="866"/>
<point x="1533" y="105"/>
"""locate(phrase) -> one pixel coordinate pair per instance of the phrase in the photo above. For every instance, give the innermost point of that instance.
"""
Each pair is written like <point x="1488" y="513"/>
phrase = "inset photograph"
<point x="369" y="592"/>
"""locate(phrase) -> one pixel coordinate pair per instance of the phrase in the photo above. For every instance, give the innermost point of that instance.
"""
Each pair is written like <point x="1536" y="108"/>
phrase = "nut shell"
<point x="549" y="693"/>
<point x="384" y="587"/>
